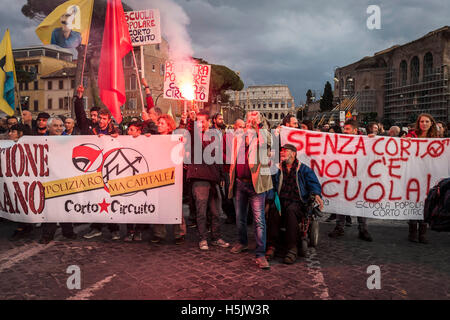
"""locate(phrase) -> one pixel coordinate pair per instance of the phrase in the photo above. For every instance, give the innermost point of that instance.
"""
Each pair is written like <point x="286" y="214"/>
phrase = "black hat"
<point x="43" y="115"/>
<point x="289" y="147"/>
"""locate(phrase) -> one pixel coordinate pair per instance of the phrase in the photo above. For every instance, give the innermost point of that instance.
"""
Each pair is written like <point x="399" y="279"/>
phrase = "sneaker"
<point x="115" y="235"/>
<point x="203" y="245"/>
<point x="92" y="234"/>
<point x="337" y="232"/>
<point x="364" y="235"/>
<point x="156" y="239"/>
<point x="129" y="237"/>
<point x="270" y="253"/>
<point x="179" y="240"/>
<point x="138" y="236"/>
<point x="220" y="243"/>
<point x="262" y="263"/>
<point x="238" y="248"/>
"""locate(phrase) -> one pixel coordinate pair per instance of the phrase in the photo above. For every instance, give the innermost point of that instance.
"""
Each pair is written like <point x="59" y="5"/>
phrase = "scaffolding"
<point x="403" y="102"/>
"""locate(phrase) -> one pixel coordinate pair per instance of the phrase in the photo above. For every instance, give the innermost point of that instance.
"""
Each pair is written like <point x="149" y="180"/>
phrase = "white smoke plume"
<point x="174" y="22"/>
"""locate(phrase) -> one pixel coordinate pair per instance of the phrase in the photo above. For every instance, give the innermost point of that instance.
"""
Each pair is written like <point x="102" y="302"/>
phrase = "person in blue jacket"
<point x="294" y="183"/>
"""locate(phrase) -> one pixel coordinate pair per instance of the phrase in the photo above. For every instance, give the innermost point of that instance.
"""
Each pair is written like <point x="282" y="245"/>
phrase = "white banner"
<point x="92" y="179"/>
<point x="183" y="81"/>
<point x="144" y="27"/>
<point x="380" y="177"/>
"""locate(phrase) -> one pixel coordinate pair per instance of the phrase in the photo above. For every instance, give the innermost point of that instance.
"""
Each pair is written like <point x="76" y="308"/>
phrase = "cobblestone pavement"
<point x="336" y="269"/>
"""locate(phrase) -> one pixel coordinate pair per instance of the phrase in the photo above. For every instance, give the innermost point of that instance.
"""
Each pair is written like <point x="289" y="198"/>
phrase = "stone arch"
<point x="427" y="65"/>
<point x="403" y="76"/>
<point x="415" y="70"/>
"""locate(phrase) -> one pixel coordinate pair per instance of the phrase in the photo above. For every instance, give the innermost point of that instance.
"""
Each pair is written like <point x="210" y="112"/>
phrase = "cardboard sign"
<point x="144" y="27"/>
<point x="91" y="179"/>
<point x="185" y="81"/>
<point x="379" y="177"/>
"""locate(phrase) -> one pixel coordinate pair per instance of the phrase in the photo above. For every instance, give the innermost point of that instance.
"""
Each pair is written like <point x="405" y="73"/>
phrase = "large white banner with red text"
<point x="379" y="177"/>
<point x="92" y="179"/>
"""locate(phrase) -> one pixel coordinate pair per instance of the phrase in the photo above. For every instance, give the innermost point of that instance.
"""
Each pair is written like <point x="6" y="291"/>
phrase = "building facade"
<point x="273" y="101"/>
<point x="401" y="82"/>
<point x="52" y="88"/>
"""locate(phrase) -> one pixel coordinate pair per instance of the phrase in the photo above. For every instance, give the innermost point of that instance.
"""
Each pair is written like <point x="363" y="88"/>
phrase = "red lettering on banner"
<point x="44" y="161"/>
<point x="369" y="187"/>
<point x="369" y="169"/>
<point x="356" y="194"/>
<point x="404" y="147"/>
<point x="349" y="140"/>
<point x="292" y="139"/>
<point x="41" y="199"/>
<point x="320" y="169"/>
<point x="391" y="167"/>
<point x="31" y="160"/>
<point x="360" y="145"/>
<point x="375" y="145"/>
<point x="387" y="147"/>
<point x="327" y="171"/>
<point x="8" y="206"/>
<point x="391" y="197"/>
<point x="428" y="182"/>
<point x="354" y="169"/>
<point x="409" y="189"/>
<point x="21" y="196"/>
<point x="310" y="144"/>
<point x="330" y="195"/>
<point x="8" y="163"/>
<point x="418" y="142"/>
<point x="17" y="173"/>
<point x="328" y="141"/>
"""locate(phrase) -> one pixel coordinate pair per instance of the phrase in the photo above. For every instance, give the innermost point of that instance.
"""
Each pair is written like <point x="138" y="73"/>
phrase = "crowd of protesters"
<point x="238" y="190"/>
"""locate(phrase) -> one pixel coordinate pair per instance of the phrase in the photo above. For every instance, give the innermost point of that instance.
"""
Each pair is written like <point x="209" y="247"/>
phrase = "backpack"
<point x="437" y="206"/>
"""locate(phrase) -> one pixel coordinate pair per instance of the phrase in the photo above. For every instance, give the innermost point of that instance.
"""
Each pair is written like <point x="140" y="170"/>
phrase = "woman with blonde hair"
<point x="425" y="127"/>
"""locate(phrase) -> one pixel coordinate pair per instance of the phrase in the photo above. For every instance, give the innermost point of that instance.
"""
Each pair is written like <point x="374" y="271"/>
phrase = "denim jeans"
<point x="205" y="197"/>
<point x="245" y="194"/>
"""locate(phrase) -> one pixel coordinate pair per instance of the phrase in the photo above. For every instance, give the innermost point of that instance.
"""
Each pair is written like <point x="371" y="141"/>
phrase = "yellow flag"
<point x="7" y="76"/>
<point x="68" y="25"/>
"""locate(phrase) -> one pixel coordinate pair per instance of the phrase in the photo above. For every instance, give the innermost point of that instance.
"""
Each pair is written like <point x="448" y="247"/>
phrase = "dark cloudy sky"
<point x="293" y="42"/>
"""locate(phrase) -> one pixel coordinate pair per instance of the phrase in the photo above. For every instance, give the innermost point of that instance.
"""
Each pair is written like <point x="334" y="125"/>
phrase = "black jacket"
<point x="85" y="125"/>
<point x="202" y="171"/>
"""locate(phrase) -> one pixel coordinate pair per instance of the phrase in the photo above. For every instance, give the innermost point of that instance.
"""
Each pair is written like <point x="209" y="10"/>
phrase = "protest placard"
<point x="184" y="81"/>
<point x="380" y="177"/>
<point x="92" y="179"/>
<point x="144" y="26"/>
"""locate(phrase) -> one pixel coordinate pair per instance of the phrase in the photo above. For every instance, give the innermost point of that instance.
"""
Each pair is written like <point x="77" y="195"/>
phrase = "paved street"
<point x="336" y="269"/>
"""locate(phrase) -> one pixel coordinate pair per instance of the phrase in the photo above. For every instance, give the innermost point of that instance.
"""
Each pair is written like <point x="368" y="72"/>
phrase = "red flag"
<point x="116" y="44"/>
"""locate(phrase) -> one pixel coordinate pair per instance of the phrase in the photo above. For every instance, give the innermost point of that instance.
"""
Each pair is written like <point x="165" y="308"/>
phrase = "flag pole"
<point x="139" y="80"/>
<point x="87" y="43"/>
<point x="20" y="104"/>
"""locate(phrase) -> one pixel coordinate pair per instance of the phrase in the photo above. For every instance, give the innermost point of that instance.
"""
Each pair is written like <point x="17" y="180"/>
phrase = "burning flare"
<point x="187" y="90"/>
